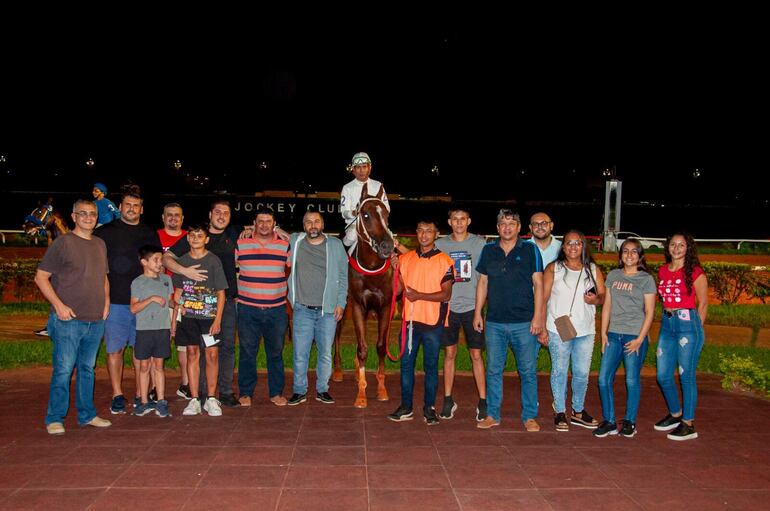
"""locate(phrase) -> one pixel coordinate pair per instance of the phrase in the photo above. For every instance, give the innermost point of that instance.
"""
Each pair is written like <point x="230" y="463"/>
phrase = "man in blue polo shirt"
<point x="511" y="277"/>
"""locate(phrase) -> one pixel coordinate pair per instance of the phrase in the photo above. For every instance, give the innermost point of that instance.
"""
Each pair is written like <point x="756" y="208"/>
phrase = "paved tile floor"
<point x="318" y="457"/>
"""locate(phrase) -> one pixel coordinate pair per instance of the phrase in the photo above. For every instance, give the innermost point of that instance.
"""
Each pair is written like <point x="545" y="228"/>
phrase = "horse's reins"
<point x="364" y="234"/>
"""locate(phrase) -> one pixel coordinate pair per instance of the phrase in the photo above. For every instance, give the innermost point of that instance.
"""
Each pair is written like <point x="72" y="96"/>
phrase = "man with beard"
<point x="223" y="239"/>
<point x="123" y="238"/>
<point x="540" y="225"/>
<point x="318" y="292"/>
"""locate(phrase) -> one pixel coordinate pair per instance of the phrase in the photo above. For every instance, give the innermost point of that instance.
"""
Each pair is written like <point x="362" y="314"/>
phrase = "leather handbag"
<point x="564" y="325"/>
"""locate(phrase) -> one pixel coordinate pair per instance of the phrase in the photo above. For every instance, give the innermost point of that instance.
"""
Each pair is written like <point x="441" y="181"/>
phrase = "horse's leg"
<point x="337" y="373"/>
<point x="359" y="322"/>
<point x="383" y="316"/>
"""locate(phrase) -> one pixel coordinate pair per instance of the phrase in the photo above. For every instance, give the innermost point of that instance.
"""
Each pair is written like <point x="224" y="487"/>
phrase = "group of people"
<point x="138" y="287"/>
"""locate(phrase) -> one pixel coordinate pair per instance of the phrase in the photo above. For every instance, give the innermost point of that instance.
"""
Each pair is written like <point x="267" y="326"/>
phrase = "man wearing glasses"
<point x="73" y="277"/>
<point x="541" y="226"/>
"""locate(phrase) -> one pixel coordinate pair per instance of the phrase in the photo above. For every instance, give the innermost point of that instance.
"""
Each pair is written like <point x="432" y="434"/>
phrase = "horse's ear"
<point x="365" y="191"/>
<point x="382" y="191"/>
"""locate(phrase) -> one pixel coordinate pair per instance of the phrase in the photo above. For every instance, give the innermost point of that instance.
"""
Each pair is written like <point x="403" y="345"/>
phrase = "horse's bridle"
<point x="364" y="235"/>
<point x="39" y="222"/>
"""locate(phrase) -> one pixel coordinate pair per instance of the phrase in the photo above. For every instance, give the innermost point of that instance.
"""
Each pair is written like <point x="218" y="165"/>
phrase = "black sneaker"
<point x="43" y="332"/>
<point x="606" y="428"/>
<point x="481" y="410"/>
<point x="629" y="429"/>
<point x="184" y="392"/>
<point x="668" y="423"/>
<point x="118" y="405"/>
<point x="560" y="420"/>
<point x="324" y="397"/>
<point x="401" y="414"/>
<point x="449" y="408"/>
<point x="431" y="419"/>
<point x="683" y="432"/>
<point x="137" y="401"/>
<point x="296" y="399"/>
<point x="152" y="397"/>
<point x="229" y="401"/>
<point x="584" y="420"/>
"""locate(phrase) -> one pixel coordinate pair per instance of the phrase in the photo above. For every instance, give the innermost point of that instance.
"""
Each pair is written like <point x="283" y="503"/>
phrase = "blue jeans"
<point x="525" y="348"/>
<point x="309" y="324"/>
<point x="431" y="345"/>
<point x="226" y="348"/>
<point x="579" y="350"/>
<point x="75" y="344"/>
<point x="253" y="323"/>
<point x="680" y="343"/>
<point x="614" y="353"/>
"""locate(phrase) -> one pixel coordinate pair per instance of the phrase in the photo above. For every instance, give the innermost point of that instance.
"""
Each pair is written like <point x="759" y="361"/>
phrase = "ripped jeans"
<point x="679" y="347"/>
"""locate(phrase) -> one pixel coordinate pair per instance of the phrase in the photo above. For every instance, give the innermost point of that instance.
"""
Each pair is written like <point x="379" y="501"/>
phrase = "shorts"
<point x="189" y="331"/>
<point x="152" y="343"/>
<point x="451" y="337"/>
<point x="120" y="328"/>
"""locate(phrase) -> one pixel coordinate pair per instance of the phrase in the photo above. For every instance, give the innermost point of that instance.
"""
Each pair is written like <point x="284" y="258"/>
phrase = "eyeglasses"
<point x="541" y="225"/>
<point x="86" y="214"/>
<point x="630" y="251"/>
<point x="573" y="243"/>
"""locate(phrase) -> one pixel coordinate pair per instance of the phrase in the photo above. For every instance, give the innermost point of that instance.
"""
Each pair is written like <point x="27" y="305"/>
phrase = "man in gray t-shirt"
<point x="465" y="249"/>
<point x="311" y="274"/>
<point x="73" y="277"/>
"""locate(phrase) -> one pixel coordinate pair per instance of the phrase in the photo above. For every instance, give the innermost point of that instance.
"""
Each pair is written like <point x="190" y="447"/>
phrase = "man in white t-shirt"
<point x="351" y="194"/>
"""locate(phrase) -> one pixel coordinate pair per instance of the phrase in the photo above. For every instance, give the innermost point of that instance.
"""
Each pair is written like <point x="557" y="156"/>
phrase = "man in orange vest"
<point x="426" y="276"/>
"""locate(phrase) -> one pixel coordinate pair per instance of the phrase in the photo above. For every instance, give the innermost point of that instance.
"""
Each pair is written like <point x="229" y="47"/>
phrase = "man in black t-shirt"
<point x="223" y="240"/>
<point x="123" y="238"/>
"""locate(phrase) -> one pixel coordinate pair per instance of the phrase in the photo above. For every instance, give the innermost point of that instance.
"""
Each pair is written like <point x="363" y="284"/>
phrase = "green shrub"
<point x="730" y="280"/>
<point x="22" y="273"/>
<point x="744" y="373"/>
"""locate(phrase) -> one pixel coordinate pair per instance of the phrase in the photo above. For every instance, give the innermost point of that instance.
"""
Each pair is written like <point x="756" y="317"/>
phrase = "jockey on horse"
<point x="371" y="284"/>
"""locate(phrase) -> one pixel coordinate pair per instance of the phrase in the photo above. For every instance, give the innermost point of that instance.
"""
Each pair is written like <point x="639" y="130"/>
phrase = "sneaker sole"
<point x="142" y="414"/>
<point x="190" y="414"/>
<point x="609" y="433"/>
<point x="183" y="395"/>
<point x="116" y="412"/>
<point x="691" y="436"/>
<point x="297" y="402"/>
<point x="324" y="401"/>
<point x="403" y="418"/>
<point x="431" y="423"/>
<point x="582" y="425"/>
<point x="492" y="425"/>
<point x="666" y="428"/>
<point x="451" y="413"/>
<point x="562" y="429"/>
<point x="629" y="436"/>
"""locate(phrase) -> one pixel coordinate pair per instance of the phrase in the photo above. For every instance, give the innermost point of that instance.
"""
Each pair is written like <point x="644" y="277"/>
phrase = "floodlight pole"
<point x="611" y="224"/>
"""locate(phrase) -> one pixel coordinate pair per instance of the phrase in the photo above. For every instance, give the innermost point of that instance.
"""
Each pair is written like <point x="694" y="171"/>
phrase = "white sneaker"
<point x="212" y="407"/>
<point x="193" y="407"/>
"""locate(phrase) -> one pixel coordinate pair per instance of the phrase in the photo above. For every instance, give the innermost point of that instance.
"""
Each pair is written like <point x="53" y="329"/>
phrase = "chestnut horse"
<point x="45" y="221"/>
<point x="370" y="288"/>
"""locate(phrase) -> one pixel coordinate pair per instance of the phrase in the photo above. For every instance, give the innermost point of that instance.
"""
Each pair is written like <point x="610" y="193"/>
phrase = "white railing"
<point x="3" y="232"/>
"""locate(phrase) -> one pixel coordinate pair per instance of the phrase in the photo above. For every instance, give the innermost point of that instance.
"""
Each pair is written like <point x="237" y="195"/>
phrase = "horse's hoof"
<point x="337" y="375"/>
<point x="360" y="403"/>
<point x="383" y="395"/>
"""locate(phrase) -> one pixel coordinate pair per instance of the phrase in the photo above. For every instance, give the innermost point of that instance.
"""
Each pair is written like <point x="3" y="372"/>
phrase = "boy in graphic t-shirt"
<point x="201" y="305"/>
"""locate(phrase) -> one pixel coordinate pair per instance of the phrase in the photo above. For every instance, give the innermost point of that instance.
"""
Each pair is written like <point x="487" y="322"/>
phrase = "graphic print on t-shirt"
<point x="463" y="265"/>
<point x="670" y="291"/>
<point x="198" y="300"/>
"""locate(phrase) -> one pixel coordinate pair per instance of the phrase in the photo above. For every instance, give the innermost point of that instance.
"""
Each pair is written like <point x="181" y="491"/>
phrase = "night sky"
<point x="502" y="114"/>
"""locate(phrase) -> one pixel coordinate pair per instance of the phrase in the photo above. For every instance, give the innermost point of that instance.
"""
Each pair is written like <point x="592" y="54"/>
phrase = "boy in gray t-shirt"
<point x="202" y="305"/>
<point x="150" y="295"/>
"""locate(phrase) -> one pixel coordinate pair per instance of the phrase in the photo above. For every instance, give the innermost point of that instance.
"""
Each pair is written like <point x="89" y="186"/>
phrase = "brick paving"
<point x="336" y="457"/>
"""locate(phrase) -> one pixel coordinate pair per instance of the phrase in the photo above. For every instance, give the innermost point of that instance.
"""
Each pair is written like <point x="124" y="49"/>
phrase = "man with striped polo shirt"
<point x="263" y="261"/>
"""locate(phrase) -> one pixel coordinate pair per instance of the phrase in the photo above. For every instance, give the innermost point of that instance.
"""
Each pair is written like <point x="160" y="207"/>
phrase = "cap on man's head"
<point x="102" y="187"/>
<point x="361" y="159"/>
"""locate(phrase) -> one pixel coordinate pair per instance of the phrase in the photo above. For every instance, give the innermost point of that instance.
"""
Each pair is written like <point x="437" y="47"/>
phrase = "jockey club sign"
<point x="285" y="206"/>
